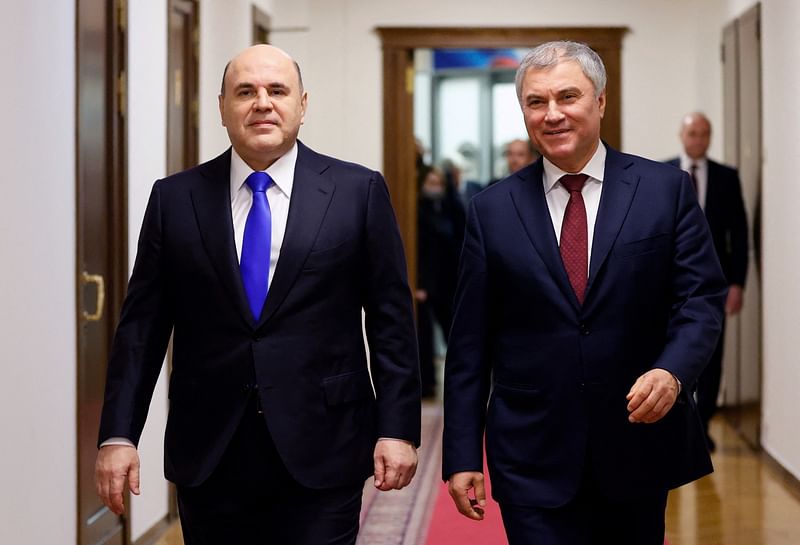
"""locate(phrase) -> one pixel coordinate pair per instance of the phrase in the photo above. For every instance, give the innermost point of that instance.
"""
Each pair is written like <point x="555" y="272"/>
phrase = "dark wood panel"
<point x="101" y="244"/>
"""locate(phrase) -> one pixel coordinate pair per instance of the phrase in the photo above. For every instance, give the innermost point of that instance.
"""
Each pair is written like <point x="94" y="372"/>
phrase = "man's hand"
<point x="395" y="464"/>
<point x="115" y="465"/>
<point x="652" y="396"/>
<point x="733" y="305"/>
<point x="459" y="486"/>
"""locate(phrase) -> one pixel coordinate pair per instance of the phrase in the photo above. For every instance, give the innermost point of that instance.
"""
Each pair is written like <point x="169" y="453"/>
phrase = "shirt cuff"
<point x="395" y="439"/>
<point x="120" y="441"/>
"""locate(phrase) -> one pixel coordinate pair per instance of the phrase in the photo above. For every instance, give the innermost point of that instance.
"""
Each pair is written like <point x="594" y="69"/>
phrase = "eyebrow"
<point x="570" y="89"/>
<point x="273" y="85"/>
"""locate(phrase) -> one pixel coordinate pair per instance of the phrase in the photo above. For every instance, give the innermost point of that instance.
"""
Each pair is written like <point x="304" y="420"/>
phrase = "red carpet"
<point x="449" y="527"/>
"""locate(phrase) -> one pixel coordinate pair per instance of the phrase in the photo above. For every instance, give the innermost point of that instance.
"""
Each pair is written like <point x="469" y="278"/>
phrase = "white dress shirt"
<point x="278" y="196"/>
<point x="701" y="176"/>
<point x="557" y="195"/>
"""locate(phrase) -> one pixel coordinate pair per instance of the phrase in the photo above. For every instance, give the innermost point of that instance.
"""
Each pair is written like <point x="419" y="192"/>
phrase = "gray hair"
<point x="549" y="54"/>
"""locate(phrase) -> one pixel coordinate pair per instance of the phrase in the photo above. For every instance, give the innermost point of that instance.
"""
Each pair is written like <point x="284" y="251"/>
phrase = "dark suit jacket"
<point x="727" y="219"/>
<point x="555" y="374"/>
<point x="305" y="356"/>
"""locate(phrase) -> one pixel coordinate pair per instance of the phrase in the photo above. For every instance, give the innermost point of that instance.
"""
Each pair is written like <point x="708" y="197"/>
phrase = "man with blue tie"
<point x="589" y="300"/>
<point x="259" y="263"/>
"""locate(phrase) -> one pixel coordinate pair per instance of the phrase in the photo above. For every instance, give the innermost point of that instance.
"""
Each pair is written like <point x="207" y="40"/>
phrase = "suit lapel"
<point x="527" y="194"/>
<point x="619" y="186"/>
<point x="211" y="199"/>
<point x="311" y="195"/>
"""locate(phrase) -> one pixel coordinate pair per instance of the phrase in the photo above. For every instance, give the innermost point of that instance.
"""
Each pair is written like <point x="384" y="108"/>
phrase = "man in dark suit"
<point x="719" y="193"/>
<point x="589" y="300"/>
<point x="440" y="228"/>
<point x="259" y="263"/>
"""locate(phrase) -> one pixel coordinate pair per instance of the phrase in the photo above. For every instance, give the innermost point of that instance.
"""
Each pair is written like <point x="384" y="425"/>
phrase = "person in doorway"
<point x="589" y="300"/>
<point x="719" y="193"/>
<point x="439" y="238"/>
<point x="259" y="263"/>
<point x="519" y="153"/>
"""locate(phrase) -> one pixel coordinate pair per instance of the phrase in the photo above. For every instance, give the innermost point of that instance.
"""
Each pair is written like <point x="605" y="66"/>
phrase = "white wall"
<point x="781" y="194"/>
<point x="37" y="279"/>
<point x="147" y="161"/>
<point x="670" y="61"/>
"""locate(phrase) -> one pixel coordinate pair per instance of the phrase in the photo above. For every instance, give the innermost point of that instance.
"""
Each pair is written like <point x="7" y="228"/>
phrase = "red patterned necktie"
<point x="575" y="235"/>
<point x="693" y="175"/>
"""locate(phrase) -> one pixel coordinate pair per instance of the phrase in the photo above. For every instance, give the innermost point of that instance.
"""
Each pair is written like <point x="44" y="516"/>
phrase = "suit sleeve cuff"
<point x="120" y="441"/>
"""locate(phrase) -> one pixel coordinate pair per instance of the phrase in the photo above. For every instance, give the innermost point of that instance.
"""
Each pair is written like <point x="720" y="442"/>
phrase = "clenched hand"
<point x="652" y="396"/>
<point x="395" y="464"/>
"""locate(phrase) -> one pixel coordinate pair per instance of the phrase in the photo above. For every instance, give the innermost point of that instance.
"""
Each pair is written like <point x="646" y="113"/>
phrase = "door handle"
<point x="96" y="279"/>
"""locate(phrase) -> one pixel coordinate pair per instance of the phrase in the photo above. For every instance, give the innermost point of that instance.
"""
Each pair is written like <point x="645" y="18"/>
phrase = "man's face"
<point x="263" y="106"/>
<point x="518" y="155"/>
<point x="696" y="136"/>
<point x="562" y="114"/>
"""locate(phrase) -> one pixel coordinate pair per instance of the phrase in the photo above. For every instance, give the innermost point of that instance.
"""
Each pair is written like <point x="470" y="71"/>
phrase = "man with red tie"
<point x="589" y="300"/>
<point x="259" y="263"/>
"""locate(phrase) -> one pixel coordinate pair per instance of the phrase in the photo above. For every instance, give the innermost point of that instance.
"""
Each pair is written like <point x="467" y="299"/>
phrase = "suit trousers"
<point x="251" y="499"/>
<point x="588" y="519"/>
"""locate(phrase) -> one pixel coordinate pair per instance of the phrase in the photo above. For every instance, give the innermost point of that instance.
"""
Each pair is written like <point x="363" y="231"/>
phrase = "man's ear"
<point x="601" y="103"/>
<point x="221" y="102"/>
<point x="303" y="106"/>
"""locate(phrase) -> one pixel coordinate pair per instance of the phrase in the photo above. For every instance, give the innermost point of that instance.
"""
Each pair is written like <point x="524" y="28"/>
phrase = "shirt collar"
<point x="595" y="169"/>
<point x="686" y="162"/>
<point x="281" y="172"/>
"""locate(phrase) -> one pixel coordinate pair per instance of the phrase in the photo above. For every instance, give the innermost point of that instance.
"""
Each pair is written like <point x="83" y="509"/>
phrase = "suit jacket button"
<point x="584" y="329"/>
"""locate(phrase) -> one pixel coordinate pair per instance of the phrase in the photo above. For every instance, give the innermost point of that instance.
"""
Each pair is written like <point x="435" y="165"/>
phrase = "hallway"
<point x="745" y="501"/>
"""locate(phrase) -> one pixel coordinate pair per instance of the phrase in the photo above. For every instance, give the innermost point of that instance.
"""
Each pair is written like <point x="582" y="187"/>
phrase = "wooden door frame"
<point x="262" y="23"/>
<point x="190" y="83"/>
<point x="398" y="45"/>
<point x="116" y="108"/>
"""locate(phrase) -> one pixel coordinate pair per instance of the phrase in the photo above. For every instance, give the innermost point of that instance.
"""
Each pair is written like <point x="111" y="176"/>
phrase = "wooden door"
<point x="741" y="54"/>
<point x="101" y="242"/>
<point x="750" y="330"/>
<point x="729" y="386"/>
<point x="182" y="86"/>
<point x="398" y="45"/>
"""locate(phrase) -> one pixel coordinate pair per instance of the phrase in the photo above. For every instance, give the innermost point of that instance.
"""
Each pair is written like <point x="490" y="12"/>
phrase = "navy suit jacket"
<point x="727" y="219"/>
<point x="305" y="356"/>
<point x="545" y="377"/>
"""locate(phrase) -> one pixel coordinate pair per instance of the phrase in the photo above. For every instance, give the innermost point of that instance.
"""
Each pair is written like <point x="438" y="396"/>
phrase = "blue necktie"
<point x="256" y="244"/>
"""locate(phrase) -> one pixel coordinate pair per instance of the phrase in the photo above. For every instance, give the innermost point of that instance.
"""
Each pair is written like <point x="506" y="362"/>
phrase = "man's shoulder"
<point x="219" y="166"/>
<point x="646" y="169"/>
<point x="721" y="169"/>
<point x="322" y="163"/>
<point x="499" y="188"/>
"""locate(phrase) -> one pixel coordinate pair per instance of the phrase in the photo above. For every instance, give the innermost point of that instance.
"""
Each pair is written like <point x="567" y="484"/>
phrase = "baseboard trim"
<point x="156" y="532"/>
<point x="791" y="482"/>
